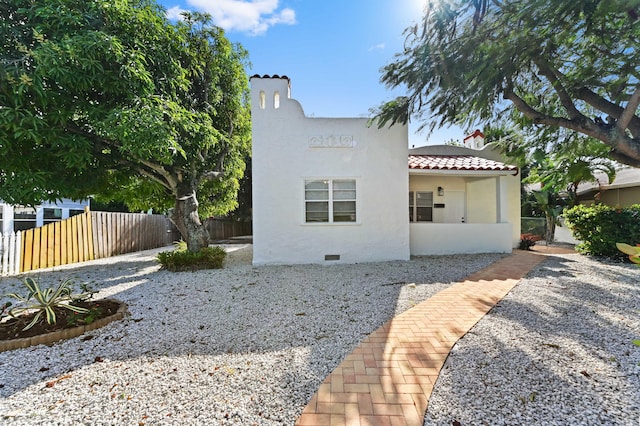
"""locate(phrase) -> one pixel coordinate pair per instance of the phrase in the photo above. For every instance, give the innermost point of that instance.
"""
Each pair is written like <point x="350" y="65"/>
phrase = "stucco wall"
<point x="289" y="147"/>
<point x="450" y="238"/>
<point x="622" y="197"/>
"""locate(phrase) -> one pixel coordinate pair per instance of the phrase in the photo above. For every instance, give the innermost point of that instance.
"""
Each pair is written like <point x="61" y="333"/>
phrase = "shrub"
<point x="600" y="227"/>
<point x="182" y="260"/>
<point x="526" y="243"/>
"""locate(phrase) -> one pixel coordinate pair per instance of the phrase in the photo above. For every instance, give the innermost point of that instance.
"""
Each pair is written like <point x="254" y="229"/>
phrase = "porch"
<point x="429" y="238"/>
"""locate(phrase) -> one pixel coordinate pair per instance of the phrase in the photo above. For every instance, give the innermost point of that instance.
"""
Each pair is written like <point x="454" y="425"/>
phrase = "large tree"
<point x="556" y="63"/>
<point x="101" y="96"/>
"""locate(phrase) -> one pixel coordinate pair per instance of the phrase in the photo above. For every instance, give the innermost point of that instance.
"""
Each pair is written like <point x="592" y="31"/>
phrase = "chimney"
<point x="475" y="140"/>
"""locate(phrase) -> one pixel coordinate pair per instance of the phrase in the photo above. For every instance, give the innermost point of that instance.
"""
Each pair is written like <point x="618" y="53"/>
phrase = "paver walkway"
<point x="388" y="378"/>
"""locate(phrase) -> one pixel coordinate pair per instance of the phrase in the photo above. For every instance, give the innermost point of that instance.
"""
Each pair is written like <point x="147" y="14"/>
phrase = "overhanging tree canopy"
<point x="98" y="96"/>
<point x="556" y="63"/>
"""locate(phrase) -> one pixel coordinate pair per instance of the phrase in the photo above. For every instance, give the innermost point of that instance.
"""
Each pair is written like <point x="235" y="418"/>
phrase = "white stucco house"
<point x="329" y="190"/>
<point x="17" y="218"/>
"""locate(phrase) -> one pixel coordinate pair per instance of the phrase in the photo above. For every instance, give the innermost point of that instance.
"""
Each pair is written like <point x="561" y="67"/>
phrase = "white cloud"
<point x="379" y="46"/>
<point x="175" y="13"/>
<point x="252" y="16"/>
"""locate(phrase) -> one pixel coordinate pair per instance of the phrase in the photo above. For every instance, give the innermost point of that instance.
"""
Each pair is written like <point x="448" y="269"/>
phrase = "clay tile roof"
<point x="284" y="77"/>
<point x="457" y="162"/>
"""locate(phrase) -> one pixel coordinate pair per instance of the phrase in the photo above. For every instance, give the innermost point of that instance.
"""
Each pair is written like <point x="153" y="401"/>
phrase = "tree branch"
<point x="609" y="108"/>
<point x="169" y="180"/>
<point x="155" y="178"/>
<point x="171" y="183"/>
<point x="623" y="148"/>
<point x="566" y="100"/>
<point x="629" y="111"/>
<point x="540" y="118"/>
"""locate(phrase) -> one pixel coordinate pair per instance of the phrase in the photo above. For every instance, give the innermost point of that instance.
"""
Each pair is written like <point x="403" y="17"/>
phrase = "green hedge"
<point x="600" y="227"/>
<point x="180" y="260"/>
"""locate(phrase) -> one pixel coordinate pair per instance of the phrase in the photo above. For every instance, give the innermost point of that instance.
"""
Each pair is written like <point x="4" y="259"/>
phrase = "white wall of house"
<point x="289" y="149"/>
<point x="450" y="238"/>
<point x="481" y="199"/>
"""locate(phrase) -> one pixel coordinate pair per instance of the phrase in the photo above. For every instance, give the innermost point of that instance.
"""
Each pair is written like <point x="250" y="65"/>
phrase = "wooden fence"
<point x="10" y="253"/>
<point x="221" y="229"/>
<point x="87" y="236"/>
<point x="119" y="233"/>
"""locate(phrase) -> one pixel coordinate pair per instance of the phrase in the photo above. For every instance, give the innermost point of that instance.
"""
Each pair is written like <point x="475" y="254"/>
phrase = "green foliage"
<point x="110" y="98"/>
<point x="561" y="168"/>
<point x="44" y="301"/>
<point x="542" y="65"/>
<point x="4" y="309"/>
<point x="89" y="317"/>
<point x="547" y="202"/>
<point x="600" y="227"/>
<point x="180" y="259"/>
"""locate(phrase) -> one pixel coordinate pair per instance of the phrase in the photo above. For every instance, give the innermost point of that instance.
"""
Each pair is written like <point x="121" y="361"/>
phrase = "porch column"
<point x="502" y="211"/>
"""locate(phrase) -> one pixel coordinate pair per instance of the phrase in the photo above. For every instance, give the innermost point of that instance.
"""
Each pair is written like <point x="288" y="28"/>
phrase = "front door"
<point x="455" y="209"/>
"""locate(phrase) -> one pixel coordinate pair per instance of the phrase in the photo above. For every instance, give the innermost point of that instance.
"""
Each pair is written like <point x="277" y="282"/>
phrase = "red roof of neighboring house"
<point x="457" y="162"/>
<point x="477" y="132"/>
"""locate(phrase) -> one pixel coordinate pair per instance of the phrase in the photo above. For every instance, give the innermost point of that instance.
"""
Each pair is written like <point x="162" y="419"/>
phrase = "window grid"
<point x="420" y="206"/>
<point x="330" y="201"/>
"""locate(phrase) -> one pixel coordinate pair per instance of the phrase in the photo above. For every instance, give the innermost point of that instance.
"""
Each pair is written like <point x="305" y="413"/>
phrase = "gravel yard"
<point x="246" y="345"/>
<point x="557" y="350"/>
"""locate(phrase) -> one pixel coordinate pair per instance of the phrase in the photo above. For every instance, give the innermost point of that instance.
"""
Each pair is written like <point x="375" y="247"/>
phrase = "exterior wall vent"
<point x="331" y="257"/>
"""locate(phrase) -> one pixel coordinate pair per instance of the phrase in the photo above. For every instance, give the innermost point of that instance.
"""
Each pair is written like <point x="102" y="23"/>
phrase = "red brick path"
<point x="388" y="378"/>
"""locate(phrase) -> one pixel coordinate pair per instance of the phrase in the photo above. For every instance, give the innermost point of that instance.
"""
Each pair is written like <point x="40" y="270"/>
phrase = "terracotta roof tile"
<point x="457" y="162"/>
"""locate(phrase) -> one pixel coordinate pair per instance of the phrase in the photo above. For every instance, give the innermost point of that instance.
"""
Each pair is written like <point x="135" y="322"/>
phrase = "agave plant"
<point x="633" y="252"/>
<point x="44" y="301"/>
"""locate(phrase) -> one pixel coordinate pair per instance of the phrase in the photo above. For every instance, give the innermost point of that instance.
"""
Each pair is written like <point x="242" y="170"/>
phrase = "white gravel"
<point x="557" y="350"/>
<point x="241" y="345"/>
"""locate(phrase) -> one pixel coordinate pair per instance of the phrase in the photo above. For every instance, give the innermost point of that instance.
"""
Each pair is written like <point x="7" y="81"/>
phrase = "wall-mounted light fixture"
<point x="440" y="191"/>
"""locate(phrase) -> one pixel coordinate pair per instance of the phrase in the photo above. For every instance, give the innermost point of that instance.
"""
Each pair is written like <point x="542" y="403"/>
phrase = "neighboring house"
<point x="341" y="190"/>
<point x="18" y="218"/>
<point x="624" y="191"/>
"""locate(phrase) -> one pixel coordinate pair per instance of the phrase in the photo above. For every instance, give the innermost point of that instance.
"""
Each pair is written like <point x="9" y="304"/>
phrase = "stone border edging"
<point x="67" y="333"/>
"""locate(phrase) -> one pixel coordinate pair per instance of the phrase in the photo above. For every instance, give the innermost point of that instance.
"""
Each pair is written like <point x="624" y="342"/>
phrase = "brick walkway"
<point x="388" y="378"/>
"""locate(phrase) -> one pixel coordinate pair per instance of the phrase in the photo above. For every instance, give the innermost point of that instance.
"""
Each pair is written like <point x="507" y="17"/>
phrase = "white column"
<point x="502" y="200"/>
<point x="7" y="218"/>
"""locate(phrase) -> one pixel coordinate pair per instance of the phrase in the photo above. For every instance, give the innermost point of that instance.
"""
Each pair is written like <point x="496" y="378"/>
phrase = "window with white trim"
<point x="23" y="218"/>
<point x="330" y="200"/>
<point x="420" y="206"/>
<point x="51" y="215"/>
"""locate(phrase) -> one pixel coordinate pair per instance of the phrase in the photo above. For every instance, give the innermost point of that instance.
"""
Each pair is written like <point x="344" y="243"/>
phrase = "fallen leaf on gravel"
<point x="585" y="374"/>
<point x="551" y="345"/>
<point x="53" y="382"/>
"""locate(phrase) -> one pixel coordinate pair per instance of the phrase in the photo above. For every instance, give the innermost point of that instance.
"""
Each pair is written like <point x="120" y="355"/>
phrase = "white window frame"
<point x="413" y="205"/>
<point x="331" y="200"/>
<point x="27" y="218"/>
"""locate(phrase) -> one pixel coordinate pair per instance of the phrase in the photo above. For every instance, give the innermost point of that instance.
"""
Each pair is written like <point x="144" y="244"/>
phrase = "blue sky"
<point x="332" y="50"/>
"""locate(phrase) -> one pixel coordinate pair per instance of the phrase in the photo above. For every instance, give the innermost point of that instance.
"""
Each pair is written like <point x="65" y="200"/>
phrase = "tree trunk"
<point x="186" y="219"/>
<point x="551" y="229"/>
